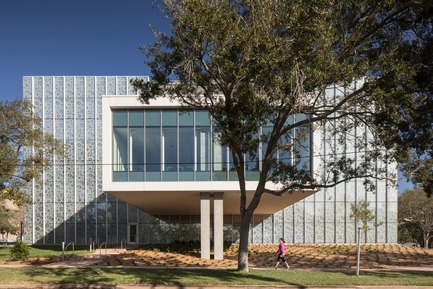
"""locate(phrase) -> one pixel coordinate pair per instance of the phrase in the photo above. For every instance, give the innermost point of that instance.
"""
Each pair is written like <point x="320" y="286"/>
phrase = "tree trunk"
<point x="427" y="238"/>
<point x="243" y="243"/>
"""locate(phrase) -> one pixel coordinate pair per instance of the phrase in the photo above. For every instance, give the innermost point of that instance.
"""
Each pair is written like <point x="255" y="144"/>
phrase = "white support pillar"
<point x="205" y="225"/>
<point x="218" y="238"/>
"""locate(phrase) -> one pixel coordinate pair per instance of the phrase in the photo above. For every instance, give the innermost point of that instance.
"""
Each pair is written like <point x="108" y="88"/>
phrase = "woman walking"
<point x="281" y="252"/>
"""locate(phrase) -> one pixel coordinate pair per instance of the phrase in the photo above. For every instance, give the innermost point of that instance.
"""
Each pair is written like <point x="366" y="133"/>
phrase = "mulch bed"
<point x="264" y="256"/>
<point x="298" y="256"/>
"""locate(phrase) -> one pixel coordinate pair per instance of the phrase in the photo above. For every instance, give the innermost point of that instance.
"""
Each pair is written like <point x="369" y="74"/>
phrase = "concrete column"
<point x="218" y="238"/>
<point x="205" y="225"/>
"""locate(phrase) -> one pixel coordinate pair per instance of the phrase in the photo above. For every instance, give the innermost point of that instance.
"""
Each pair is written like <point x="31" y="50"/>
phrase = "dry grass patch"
<point x="262" y="256"/>
<point x="298" y="256"/>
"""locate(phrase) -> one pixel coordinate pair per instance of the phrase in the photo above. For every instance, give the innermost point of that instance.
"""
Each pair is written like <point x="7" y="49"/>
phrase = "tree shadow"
<point x="182" y="277"/>
<point x="135" y="276"/>
<point x="391" y="273"/>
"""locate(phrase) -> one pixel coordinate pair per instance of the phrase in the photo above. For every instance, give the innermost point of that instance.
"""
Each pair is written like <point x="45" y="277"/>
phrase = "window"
<point x="172" y="145"/>
<point x="136" y="140"/>
<point x="153" y="144"/>
<point x="120" y="145"/>
<point x="169" y="141"/>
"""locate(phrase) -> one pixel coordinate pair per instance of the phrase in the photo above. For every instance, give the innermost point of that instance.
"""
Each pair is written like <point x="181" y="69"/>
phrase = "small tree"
<point x="361" y="212"/>
<point x="414" y="207"/>
<point x="20" y="251"/>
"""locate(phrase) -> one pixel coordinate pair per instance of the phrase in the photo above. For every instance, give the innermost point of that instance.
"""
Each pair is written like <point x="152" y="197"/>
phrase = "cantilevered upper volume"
<point x="164" y="157"/>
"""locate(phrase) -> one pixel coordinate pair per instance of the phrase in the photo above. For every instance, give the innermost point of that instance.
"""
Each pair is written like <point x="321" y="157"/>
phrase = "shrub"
<point x="19" y="251"/>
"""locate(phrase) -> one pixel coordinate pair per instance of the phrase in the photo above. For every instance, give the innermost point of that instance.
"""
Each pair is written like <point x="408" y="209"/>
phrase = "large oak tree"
<point x="251" y="62"/>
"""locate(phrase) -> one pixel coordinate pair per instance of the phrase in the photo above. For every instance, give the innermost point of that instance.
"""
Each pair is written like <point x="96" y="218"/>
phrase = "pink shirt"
<point x="281" y="248"/>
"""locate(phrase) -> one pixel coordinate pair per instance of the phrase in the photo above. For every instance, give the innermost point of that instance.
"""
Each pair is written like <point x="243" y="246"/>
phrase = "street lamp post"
<point x="358" y="257"/>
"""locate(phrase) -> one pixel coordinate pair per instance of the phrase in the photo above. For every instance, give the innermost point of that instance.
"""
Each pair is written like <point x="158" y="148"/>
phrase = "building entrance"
<point x="132" y="233"/>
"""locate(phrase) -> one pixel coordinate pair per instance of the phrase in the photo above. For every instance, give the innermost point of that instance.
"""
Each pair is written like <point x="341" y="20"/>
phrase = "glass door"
<point x="132" y="234"/>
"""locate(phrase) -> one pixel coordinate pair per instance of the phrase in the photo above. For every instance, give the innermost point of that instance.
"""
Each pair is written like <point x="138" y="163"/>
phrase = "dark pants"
<point x="280" y="258"/>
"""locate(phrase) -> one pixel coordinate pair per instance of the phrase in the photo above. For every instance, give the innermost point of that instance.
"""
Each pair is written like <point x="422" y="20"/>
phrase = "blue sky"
<point x="76" y="37"/>
<point x="73" y="37"/>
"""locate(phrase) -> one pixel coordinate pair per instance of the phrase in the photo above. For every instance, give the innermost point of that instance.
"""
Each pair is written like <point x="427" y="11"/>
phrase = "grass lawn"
<point x="341" y="259"/>
<point x="46" y="251"/>
<point x="131" y="276"/>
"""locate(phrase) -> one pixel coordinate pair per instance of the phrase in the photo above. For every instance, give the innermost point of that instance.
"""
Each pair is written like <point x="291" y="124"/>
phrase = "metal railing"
<point x="123" y="241"/>
<point x="65" y="249"/>
<point x="100" y="250"/>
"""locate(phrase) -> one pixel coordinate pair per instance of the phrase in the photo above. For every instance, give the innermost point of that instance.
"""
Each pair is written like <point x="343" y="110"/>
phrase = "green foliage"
<point x="405" y="94"/>
<point x="9" y="219"/>
<point x="409" y="232"/>
<point x="415" y="215"/>
<point x="418" y="167"/>
<point x="361" y="212"/>
<point x="20" y="129"/>
<point x="46" y="251"/>
<point x="20" y="251"/>
<point x="24" y="150"/>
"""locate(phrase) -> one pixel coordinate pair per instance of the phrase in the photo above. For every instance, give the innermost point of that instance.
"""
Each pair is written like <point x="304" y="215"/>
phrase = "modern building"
<point x="153" y="173"/>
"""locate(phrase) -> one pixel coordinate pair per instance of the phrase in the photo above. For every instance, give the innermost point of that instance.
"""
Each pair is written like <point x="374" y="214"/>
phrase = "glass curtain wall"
<point x="153" y="145"/>
<point x="120" y="145"/>
<point x="303" y="147"/>
<point x="173" y="145"/>
<point x="252" y="163"/>
<point x="136" y="145"/>
<point x="186" y="146"/>
<point x="202" y="145"/>
<point x="169" y="160"/>
<point x="219" y="161"/>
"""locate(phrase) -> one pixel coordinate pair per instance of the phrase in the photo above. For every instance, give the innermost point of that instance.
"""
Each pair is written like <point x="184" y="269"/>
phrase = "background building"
<point x="85" y="197"/>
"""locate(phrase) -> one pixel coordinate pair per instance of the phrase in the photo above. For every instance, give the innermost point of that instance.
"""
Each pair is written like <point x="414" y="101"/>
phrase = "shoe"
<point x="288" y="268"/>
<point x="275" y="268"/>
